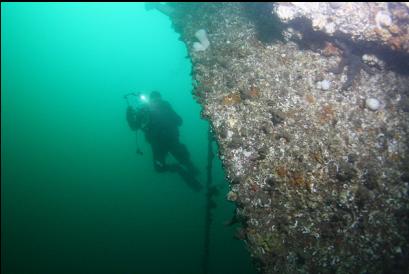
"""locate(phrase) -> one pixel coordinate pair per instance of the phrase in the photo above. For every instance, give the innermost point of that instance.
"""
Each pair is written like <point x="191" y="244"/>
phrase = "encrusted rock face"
<point x="320" y="181"/>
<point x="384" y="23"/>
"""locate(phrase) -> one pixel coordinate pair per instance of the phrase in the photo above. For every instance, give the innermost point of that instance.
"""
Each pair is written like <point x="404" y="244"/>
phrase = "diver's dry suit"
<point x="160" y="124"/>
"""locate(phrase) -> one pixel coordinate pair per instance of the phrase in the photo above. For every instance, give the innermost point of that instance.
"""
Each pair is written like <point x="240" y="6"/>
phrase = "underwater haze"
<point x="76" y="197"/>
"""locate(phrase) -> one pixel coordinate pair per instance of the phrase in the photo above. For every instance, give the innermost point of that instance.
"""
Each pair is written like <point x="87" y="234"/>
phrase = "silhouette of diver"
<point x="157" y="119"/>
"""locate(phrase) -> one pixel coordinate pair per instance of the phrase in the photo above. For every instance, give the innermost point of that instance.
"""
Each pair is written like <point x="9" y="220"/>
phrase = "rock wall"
<point x="312" y="123"/>
<point x="382" y="23"/>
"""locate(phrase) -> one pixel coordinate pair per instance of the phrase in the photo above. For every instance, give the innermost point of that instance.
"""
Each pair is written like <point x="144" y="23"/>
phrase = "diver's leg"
<point x="188" y="174"/>
<point x="159" y="158"/>
<point x="188" y="178"/>
<point x="181" y="154"/>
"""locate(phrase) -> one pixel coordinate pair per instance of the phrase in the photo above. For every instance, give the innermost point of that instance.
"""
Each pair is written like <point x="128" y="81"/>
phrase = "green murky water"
<point x="76" y="198"/>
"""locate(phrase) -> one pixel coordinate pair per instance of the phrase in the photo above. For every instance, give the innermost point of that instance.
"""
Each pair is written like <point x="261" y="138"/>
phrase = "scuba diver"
<point x="159" y="122"/>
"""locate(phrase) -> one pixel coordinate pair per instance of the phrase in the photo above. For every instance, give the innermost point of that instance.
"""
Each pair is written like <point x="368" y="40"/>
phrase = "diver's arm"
<point x="131" y="118"/>
<point x="137" y="119"/>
